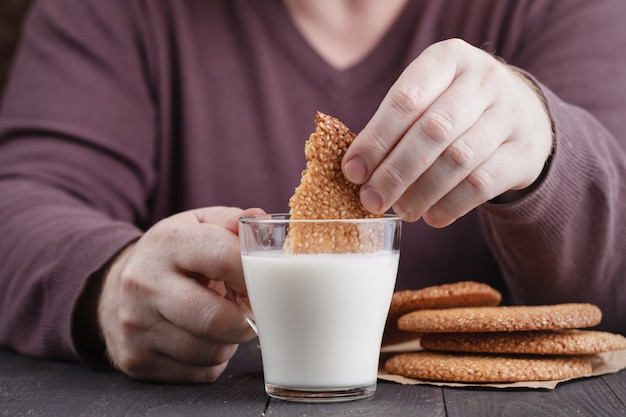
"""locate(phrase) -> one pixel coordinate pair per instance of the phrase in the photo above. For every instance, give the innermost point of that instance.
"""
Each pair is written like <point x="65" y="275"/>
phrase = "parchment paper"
<point x="603" y="363"/>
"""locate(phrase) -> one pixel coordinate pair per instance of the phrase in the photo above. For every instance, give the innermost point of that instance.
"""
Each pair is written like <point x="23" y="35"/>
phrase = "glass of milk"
<point x="319" y="293"/>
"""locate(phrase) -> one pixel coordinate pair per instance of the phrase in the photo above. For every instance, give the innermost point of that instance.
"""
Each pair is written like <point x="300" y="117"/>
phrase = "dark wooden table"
<point x="32" y="387"/>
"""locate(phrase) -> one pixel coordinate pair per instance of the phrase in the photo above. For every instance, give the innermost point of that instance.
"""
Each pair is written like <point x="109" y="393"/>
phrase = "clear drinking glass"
<point x="319" y="293"/>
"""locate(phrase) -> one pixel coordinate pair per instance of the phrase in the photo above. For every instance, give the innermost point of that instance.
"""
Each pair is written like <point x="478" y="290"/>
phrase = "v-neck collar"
<point x="389" y="49"/>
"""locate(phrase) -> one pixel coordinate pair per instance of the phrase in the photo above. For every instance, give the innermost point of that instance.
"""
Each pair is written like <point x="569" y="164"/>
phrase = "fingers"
<point x="152" y="366"/>
<point x="165" y="352"/>
<point x="226" y="217"/>
<point x="202" y="312"/>
<point x="457" y="129"/>
<point x="165" y="302"/>
<point x="209" y="252"/>
<point x="166" y="314"/>
<point x="207" y="243"/>
<point x="175" y="265"/>
<point x="416" y="89"/>
<point x="436" y="134"/>
<point x="165" y="368"/>
<point x="491" y="179"/>
<point x="173" y="342"/>
<point x="197" y="244"/>
<point x="455" y="164"/>
<point x="481" y="185"/>
<point x="421" y="115"/>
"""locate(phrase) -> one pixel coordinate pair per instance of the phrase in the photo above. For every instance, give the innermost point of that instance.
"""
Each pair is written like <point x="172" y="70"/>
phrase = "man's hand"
<point x="162" y="310"/>
<point x="457" y="129"/>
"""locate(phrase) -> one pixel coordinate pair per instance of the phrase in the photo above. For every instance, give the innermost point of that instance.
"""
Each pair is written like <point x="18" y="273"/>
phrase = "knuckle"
<point x="134" y="364"/>
<point x="437" y="127"/>
<point x="132" y="284"/>
<point x="377" y="142"/>
<point x="130" y="328"/>
<point x="453" y="44"/>
<point x="480" y="181"/>
<point x="408" y="99"/>
<point x="495" y="74"/>
<point x="458" y="155"/>
<point x="166" y="231"/>
<point x="448" y="49"/>
<point x="395" y="176"/>
<point x="127" y="320"/>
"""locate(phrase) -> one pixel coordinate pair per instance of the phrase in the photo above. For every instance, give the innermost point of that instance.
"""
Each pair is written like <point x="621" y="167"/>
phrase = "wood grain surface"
<point x="34" y="387"/>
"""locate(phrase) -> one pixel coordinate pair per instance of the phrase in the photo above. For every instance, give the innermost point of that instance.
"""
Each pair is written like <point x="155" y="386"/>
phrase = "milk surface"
<point x="320" y="317"/>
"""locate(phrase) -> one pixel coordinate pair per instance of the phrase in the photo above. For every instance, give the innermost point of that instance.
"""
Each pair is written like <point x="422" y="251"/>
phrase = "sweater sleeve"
<point x="565" y="241"/>
<point x="76" y="165"/>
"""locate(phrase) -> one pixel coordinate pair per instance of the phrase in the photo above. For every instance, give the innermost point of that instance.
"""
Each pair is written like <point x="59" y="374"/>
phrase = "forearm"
<point x="77" y="146"/>
<point x="51" y="244"/>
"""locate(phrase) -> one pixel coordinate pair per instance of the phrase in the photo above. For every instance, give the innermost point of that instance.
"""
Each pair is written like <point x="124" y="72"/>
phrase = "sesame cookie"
<point x="449" y="367"/>
<point x="501" y="318"/>
<point x="324" y="193"/>
<point x="458" y="294"/>
<point x="548" y="342"/>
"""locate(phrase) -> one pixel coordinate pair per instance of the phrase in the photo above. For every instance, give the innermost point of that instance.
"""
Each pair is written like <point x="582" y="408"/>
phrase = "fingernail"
<point x="371" y="199"/>
<point x="355" y="170"/>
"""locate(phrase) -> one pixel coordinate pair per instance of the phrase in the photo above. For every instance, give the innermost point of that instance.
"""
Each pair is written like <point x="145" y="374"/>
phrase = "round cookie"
<point x="548" y="342"/>
<point x="458" y="294"/>
<point x="484" y="368"/>
<point x="501" y="318"/>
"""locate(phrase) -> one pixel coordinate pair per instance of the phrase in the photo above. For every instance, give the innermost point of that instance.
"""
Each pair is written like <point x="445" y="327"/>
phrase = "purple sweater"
<point x="122" y="112"/>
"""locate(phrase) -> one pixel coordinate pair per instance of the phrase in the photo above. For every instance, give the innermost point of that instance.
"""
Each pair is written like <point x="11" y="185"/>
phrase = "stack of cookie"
<point x="458" y="294"/>
<point x="468" y="337"/>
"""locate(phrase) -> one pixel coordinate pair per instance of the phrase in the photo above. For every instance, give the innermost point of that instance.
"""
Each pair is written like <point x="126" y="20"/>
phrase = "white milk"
<point x="320" y="318"/>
